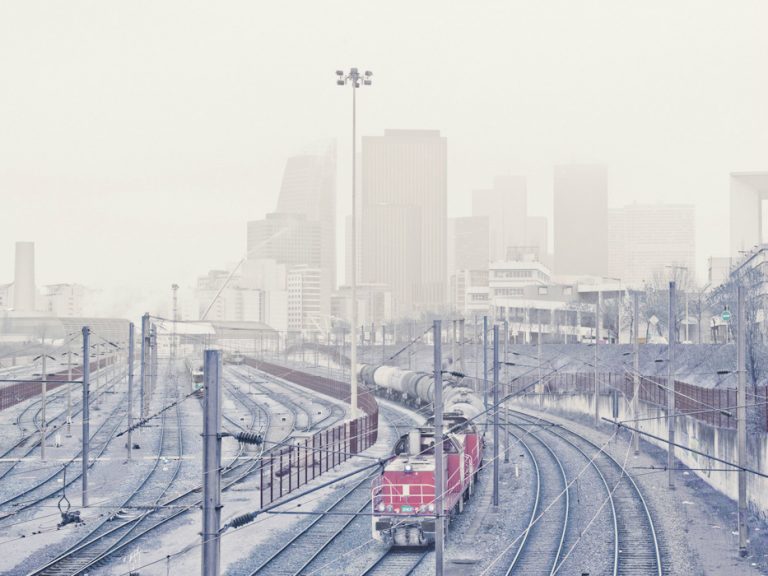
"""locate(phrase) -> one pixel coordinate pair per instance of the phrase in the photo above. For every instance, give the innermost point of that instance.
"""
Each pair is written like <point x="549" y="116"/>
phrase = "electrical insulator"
<point x="249" y="437"/>
<point x="242" y="520"/>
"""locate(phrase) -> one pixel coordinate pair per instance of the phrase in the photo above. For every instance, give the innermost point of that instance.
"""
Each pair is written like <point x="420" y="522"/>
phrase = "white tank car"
<point x="421" y="385"/>
<point x="463" y="400"/>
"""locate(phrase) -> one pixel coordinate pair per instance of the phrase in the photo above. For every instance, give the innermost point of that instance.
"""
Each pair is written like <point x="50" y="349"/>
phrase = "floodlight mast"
<point x="355" y="79"/>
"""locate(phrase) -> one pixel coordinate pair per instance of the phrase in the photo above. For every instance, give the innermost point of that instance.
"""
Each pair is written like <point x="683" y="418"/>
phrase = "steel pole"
<point x="597" y="343"/>
<point x="636" y="368"/>
<point x="439" y="476"/>
<point x="671" y="388"/>
<point x="86" y="413"/>
<point x="485" y="362"/>
<point x="453" y="344"/>
<point x="43" y="424"/>
<point x="153" y="360"/>
<point x="506" y="404"/>
<point x="69" y="393"/>
<point x="540" y="383"/>
<point x="477" y="355"/>
<point x="383" y="343"/>
<point x="462" y="368"/>
<point x="211" y="464"/>
<point x="143" y="365"/>
<point x="130" y="388"/>
<point x="742" y="422"/>
<point x="495" y="416"/>
<point x="353" y="355"/>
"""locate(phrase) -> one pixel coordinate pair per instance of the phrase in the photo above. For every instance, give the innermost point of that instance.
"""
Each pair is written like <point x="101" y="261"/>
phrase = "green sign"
<point x="726" y="315"/>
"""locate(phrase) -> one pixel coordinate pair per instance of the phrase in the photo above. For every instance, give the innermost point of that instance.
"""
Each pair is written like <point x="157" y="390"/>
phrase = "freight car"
<point x="403" y="495"/>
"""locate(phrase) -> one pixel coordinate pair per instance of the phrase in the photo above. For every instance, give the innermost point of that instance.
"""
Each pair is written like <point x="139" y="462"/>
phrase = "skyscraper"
<point x="288" y="239"/>
<point x="644" y="238"/>
<point x="581" y="220"/>
<point x="506" y="207"/>
<point x="749" y="191"/>
<point x="404" y="216"/>
<point x="469" y="240"/>
<point x="309" y="188"/>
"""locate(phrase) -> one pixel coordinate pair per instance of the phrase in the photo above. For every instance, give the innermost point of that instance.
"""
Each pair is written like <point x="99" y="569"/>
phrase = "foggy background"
<point x="136" y="139"/>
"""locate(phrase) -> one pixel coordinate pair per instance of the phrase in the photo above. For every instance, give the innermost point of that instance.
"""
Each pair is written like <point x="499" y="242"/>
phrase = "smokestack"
<point x="24" y="281"/>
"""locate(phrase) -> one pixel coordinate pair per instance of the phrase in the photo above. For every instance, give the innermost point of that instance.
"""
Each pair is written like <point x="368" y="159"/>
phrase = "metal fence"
<point x="715" y="406"/>
<point x="12" y="393"/>
<point x="293" y="466"/>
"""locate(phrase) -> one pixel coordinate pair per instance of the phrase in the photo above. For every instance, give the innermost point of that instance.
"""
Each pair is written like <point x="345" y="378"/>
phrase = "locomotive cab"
<point x="403" y="497"/>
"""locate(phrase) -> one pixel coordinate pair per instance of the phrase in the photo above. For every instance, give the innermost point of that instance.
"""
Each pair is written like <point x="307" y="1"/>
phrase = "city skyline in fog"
<point x="139" y="140"/>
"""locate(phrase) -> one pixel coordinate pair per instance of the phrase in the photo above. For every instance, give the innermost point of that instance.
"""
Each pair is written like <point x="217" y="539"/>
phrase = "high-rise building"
<point x="506" y="207"/>
<point x="288" y="239"/>
<point x="581" y="220"/>
<point x="309" y="188"/>
<point x="404" y="216"/>
<point x="468" y="243"/>
<point x="64" y="300"/>
<point x="644" y="238"/>
<point x="537" y="235"/>
<point x="231" y="300"/>
<point x="303" y="285"/>
<point x="749" y="190"/>
<point x="24" y="290"/>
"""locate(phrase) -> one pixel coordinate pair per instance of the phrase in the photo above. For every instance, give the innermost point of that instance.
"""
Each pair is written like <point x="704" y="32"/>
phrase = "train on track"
<point x="403" y="495"/>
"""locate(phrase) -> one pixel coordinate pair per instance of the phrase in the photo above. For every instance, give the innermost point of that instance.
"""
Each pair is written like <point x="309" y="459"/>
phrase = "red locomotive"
<point x="403" y="496"/>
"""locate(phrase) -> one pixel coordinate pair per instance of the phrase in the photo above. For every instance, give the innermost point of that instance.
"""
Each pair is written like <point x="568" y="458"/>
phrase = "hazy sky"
<point x="136" y="138"/>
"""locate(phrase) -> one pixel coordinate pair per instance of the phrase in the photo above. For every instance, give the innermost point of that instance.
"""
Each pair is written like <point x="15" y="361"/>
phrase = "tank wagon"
<point x="403" y="495"/>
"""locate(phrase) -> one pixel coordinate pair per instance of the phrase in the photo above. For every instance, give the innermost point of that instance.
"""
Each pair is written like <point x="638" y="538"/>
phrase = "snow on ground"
<point x="695" y="523"/>
<point x="181" y="537"/>
<point x="31" y="537"/>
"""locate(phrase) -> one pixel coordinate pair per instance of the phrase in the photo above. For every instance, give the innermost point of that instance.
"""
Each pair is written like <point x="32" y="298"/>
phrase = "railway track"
<point x="23" y="447"/>
<point x="98" y="545"/>
<point x="320" y="533"/>
<point x="397" y="561"/>
<point x="40" y="490"/>
<point x="548" y="521"/>
<point x="314" y="548"/>
<point x="635" y="543"/>
<point x="114" y="539"/>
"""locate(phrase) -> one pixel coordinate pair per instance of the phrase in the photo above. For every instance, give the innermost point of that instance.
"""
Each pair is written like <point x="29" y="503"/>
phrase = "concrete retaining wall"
<point x="718" y="442"/>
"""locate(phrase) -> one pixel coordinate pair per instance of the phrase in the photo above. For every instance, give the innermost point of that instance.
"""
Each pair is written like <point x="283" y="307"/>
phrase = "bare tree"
<point x="724" y="298"/>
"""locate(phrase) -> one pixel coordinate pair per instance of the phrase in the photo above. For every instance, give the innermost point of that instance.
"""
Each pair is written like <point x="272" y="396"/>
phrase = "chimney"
<point x="24" y="281"/>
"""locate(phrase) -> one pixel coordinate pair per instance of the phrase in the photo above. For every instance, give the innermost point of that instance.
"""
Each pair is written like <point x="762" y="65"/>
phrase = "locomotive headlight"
<point x="382" y="507"/>
<point x="431" y="507"/>
<point x="408" y="468"/>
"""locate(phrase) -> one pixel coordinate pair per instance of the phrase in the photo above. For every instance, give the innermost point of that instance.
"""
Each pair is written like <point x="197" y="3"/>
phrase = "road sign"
<point x="726" y="315"/>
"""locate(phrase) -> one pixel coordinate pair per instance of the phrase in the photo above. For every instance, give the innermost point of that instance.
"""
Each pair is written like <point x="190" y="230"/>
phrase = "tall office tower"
<point x="537" y="235"/>
<point x="506" y="207"/>
<point x="644" y="238"/>
<point x="468" y="244"/>
<point x="309" y="188"/>
<point x="749" y="190"/>
<point x="24" y="290"/>
<point x="404" y="216"/>
<point x="303" y="285"/>
<point x="581" y="220"/>
<point x="288" y="239"/>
